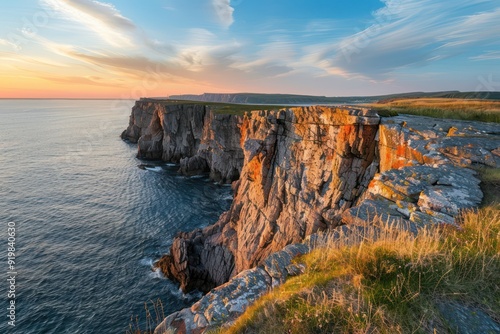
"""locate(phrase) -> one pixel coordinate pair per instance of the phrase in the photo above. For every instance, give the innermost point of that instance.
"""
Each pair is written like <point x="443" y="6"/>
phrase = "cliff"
<point x="302" y="168"/>
<point x="191" y="135"/>
<point x="300" y="171"/>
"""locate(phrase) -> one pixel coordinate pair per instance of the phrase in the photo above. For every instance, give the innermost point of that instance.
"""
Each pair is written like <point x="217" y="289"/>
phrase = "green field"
<point x="473" y="110"/>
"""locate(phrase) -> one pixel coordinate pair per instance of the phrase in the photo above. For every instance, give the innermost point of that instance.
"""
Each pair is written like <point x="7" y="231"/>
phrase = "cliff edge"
<point x="299" y="171"/>
<point x="191" y="135"/>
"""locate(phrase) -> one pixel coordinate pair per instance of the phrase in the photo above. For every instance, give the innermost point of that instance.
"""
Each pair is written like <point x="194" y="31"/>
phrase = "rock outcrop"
<point x="416" y="140"/>
<point x="303" y="167"/>
<point x="191" y="135"/>
<point x="424" y="177"/>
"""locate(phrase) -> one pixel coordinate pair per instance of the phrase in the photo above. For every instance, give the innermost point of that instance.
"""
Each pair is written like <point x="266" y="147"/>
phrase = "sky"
<point x="131" y="49"/>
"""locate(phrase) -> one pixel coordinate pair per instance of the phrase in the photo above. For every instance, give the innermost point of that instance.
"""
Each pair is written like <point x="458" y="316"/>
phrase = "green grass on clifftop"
<point x="472" y="110"/>
<point x="490" y="185"/>
<point x="221" y="108"/>
<point x="394" y="284"/>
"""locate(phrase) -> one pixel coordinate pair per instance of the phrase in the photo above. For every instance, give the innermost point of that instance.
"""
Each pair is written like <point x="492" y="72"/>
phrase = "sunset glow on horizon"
<point x="126" y="49"/>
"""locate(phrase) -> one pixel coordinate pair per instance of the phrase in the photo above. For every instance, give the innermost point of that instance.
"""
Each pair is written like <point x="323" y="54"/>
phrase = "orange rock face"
<point x="302" y="168"/>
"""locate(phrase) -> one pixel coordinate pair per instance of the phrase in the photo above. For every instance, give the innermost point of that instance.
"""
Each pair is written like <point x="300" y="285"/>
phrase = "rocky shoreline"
<point x="297" y="172"/>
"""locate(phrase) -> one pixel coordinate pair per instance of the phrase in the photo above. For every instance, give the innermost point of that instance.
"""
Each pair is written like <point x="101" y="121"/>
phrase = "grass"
<point x="474" y="110"/>
<point x="154" y="315"/>
<point x="222" y="108"/>
<point x="490" y="185"/>
<point x="388" y="284"/>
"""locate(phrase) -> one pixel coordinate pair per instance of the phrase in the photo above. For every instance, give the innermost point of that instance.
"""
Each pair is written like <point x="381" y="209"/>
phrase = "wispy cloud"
<point x="84" y="80"/>
<point x="102" y="18"/>
<point x="491" y="55"/>
<point x="7" y="43"/>
<point x="274" y="58"/>
<point x="409" y="33"/>
<point x="224" y="12"/>
<point x="104" y="12"/>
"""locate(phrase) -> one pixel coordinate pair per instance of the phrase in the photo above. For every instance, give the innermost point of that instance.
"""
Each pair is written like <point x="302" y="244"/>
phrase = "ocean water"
<point x="89" y="223"/>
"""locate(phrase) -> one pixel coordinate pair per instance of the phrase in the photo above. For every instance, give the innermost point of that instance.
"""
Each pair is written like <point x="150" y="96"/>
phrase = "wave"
<point x="156" y="274"/>
<point x="154" y="169"/>
<point x="147" y="262"/>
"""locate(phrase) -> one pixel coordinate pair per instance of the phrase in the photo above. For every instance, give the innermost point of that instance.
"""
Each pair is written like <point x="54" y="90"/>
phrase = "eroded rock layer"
<point x="303" y="167"/>
<point x="425" y="175"/>
<point x="191" y="135"/>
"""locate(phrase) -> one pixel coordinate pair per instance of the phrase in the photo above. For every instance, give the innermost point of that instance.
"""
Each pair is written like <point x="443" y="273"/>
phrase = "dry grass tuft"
<point x="154" y="315"/>
<point x="475" y="110"/>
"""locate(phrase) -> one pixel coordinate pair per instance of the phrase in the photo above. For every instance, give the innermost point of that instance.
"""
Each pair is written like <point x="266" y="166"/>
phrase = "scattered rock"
<point x="464" y="319"/>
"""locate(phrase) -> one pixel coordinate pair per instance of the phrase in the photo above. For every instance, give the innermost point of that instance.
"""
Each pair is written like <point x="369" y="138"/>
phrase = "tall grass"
<point x="154" y="315"/>
<point x="490" y="185"/>
<point x="474" y="110"/>
<point x="391" y="282"/>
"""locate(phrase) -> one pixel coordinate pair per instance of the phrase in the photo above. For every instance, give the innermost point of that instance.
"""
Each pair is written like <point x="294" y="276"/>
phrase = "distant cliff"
<point x="291" y="99"/>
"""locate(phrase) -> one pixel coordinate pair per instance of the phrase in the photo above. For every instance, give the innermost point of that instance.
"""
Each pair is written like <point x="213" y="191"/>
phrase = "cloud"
<point x="104" y="12"/>
<point x="101" y="18"/>
<point x="84" y="80"/>
<point x="5" y="42"/>
<point x="224" y="12"/>
<point x="274" y="58"/>
<point x="265" y="68"/>
<point x="411" y="33"/>
<point x="491" y="55"/>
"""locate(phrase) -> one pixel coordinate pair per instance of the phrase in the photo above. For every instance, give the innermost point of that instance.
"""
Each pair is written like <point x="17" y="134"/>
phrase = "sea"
<point x="82" y="224"/>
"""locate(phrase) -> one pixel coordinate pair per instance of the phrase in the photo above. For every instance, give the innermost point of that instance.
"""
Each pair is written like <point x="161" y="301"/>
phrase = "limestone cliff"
<point x="425" y="175"/>
<point x="189" y="134"/>
<point x="307" y="169"/>
<point x="302" y="168"/>
<point x="298" y="171"/>
<point x="423" y="179"/>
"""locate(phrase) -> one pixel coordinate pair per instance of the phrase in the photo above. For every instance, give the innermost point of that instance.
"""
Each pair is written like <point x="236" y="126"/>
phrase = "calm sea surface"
<point x="89" y="223"/>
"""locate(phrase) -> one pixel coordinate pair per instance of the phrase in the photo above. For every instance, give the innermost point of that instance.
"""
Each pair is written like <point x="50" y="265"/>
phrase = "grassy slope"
<point x="393" y="284"/>
<point x="475" y="110"/>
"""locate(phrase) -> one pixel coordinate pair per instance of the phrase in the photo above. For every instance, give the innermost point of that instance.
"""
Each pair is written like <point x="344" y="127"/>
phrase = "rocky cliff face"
<point x="423" y="179"/>
<point x="303" y="167"/>
<point x="300" y="171"/>
<point x="189" y="134"/>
